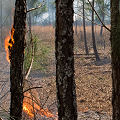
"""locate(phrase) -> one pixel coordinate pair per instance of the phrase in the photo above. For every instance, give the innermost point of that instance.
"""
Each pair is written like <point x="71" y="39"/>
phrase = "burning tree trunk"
<point x="115" y="44"/>
<point x="66" y="94"/>
<point x="16" y="60"/>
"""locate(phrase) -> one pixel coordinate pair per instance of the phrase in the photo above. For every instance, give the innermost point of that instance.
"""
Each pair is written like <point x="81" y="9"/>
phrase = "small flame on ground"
<point x="28" y="109"/>
<point x="9" y="41"/>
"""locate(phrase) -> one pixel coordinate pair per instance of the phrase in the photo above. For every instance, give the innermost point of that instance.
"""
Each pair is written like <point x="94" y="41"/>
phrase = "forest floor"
<point x="93" y="82"/>
<point x="94" y="85"/>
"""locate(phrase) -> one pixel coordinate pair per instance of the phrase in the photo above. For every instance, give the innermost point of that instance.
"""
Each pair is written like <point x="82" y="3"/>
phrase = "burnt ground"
<point x="94" y="86"/>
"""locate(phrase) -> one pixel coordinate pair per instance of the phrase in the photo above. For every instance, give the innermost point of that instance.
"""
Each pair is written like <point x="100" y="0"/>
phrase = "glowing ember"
<point x="27" y="110"/>
<point x="9" y="41"/>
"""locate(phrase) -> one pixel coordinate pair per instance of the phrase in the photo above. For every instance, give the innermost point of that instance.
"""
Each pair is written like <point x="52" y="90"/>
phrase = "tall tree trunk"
<point x="101" y="30"/>
<point x="64" y="45"/>
<point x="115" y="44"/>
<point x="76" y="25"/>
<point x="103" y="17"/>
<point x="93" y="35"/>
<point x="16" y="60"/>
<point x="84" y="29"/>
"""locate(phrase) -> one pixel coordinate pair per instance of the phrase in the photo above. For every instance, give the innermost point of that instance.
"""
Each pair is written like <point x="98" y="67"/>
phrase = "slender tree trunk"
<point x="76" y="24"/>
<point x="115" y="44"/>
<point x="84" y="29"/>
<point x="64" y="44"/>
<point x="93" y="35"/>
<point x="16" y="60"/>
<point x="103" y="17"/>
<point x="101" y="30"/>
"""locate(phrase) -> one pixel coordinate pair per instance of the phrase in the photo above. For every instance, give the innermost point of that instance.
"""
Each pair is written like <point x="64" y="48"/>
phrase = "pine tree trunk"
<point x="115" y="44"/>
<point x="76" y="25"/>
<point x="103" y="17"/>
<point x="101" y="30"/>
<point x="64" y="44"/>
<point x="93" y="36"/>
<point x="84" y="29"/>
<point x="16" y="61"/>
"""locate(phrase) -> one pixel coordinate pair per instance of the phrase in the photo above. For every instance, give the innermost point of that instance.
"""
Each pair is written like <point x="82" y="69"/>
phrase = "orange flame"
<point x="28" y="109"/>
<point x="9" y="43"/>
<point x="30" y="106"/>
<point x="6" y="48"/>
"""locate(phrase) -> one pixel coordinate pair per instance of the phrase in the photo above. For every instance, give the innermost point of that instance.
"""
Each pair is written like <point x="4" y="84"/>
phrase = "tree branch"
<point x="99" y="17"/>
<point x="30" y="89"/>
<point x="26" y="77"/>
<point x="35" y="8"/>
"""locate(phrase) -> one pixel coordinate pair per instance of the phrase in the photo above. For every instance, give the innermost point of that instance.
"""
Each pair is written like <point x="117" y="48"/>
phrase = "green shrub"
<point x="41" y="52"/>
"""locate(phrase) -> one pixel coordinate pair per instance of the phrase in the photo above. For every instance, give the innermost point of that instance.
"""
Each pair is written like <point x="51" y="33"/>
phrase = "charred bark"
<point x="115" y="44"/>
<point x="93" y="36"/>
<point x="16" y="60"/>
<point x="64" y="45"/>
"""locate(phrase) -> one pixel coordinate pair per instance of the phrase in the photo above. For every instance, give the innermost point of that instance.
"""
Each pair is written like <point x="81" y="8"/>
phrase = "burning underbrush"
<point x="34" y="110"/>
<point x="34" y="103"/>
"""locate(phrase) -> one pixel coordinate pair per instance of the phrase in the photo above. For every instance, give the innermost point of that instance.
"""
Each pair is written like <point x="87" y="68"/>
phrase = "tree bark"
<point x="64" y="45"/>
<point x="115" y="54"/>
<point x="16" y="60"/>
<point x="84" y="29"/>
<point x="93" y="35"/>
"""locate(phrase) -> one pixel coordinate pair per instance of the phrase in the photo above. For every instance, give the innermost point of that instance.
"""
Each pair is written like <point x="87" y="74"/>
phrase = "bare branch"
<point x="99" y="17"/>
<point x="26" y="77"/>
<point x="31" y="89"/>
<point x="4" y="95"/>
<point x="32" y="9"/>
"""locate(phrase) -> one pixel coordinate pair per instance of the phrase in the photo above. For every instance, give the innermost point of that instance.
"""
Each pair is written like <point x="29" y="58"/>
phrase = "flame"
<point x="9" y="41"/>
<point x="28" y="109"/>
<point x="6" y="48"/>
<point x="30" y="106"/>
